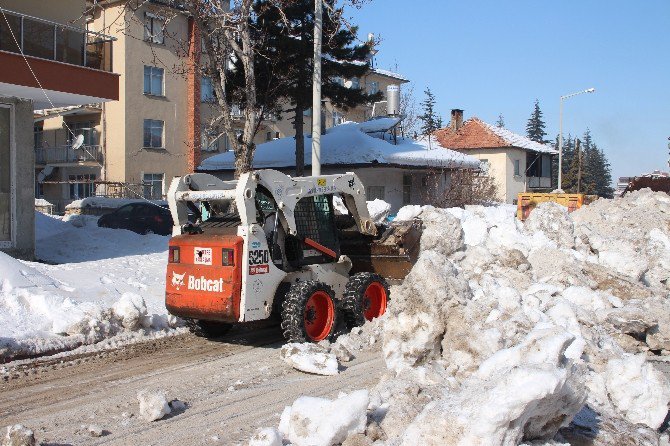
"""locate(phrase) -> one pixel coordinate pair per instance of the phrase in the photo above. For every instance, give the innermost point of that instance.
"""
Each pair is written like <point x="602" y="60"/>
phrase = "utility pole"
<point x="316" y="90"/>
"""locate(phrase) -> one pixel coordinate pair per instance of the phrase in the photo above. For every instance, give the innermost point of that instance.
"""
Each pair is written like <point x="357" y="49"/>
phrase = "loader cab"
<point x="316" y="240"/>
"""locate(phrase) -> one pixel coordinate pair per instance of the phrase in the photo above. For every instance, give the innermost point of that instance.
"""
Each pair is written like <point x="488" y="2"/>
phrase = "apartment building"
<point x="48" y="60"/>
<point x="156" y="130"/>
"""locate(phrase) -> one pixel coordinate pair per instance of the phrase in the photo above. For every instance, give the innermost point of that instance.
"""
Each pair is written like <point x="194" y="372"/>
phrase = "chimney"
<point x="456" y="119"/>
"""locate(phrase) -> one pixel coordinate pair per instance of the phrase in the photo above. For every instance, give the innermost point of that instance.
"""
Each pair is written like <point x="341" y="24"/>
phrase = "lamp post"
<point x="560" y="134"/>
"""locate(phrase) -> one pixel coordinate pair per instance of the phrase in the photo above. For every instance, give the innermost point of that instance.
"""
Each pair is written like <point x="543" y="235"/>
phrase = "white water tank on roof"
<point x="393" y="100"/>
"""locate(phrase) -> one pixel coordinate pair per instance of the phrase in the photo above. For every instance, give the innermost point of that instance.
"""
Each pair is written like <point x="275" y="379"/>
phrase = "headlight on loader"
<point x="173" y="254"/>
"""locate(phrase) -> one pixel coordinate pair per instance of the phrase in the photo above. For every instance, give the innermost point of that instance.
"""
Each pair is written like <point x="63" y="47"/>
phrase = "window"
<point x="484" y="166"/>
<point x="307" y="112"/>
<point x="546" y="166"/>
<point x="153" y="134"/>
<point x="207" y="90"/>
<point x="406" y="189"/>
<point x="82" y="128"/>
<point x="373" y="87"/>
<point x="355" y="83"/>
<point x="211" y="140"/>
<point x="153" y="186"/>
<point x="375" y="192"/>
<point x="338" y="80"/>
<point x="517" y="168"/>
<point x="6" y="180"/>
<point x="38" y="134"/>
<point x="153" y="28"/>
<point x="268" y="136"/>
<point x="82" y="186"/>
<point x="39" y="188"/>
<point x="153" y="81"/>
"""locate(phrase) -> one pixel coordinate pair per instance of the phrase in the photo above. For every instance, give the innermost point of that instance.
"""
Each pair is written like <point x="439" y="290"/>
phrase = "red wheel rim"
<point x="374" y="301"/>
<point x="319" y="316"/>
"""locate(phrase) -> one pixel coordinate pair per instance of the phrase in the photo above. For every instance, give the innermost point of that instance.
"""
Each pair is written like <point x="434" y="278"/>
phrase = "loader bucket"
<point x="391" y="254"/>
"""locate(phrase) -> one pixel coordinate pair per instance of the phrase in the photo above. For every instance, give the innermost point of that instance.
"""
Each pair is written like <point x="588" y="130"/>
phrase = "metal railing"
<point x="539" y="182"/>
<point x="45" y="39"/>
<point x="66" y="154"/>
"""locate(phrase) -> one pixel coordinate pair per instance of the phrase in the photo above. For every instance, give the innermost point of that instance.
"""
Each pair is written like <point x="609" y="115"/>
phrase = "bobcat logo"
<point x="177" y="280"/>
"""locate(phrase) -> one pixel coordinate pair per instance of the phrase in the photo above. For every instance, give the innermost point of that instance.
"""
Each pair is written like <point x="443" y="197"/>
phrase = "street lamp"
<point x="560" y="134"/>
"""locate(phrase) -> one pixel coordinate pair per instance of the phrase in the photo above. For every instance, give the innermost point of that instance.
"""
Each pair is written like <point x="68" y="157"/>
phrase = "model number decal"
<point x="259" y="256"/>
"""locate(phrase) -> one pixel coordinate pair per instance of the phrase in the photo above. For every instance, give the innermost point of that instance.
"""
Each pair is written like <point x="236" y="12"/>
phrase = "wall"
<point x="61" y="11"/>
<point x="515" y="183"/>
<point x="498" y="168"/>
<point x="22" y="163"/>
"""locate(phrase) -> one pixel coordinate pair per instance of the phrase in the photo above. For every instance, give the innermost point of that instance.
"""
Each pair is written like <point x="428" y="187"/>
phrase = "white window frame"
<point x="11" y="243"/>
<point x="151" y="76"/>
<point x="162" y="147"/>
<point x="87" y="179"/>
<point x="373" y="192"/>
<point x="162" y="189"/>
<point x="149" y="34"/>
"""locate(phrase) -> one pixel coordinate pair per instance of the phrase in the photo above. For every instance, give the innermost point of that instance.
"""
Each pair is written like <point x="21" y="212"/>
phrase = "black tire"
<point x="355" y="304"/>
<point x="295" y="316"/>
<point x="208" y="329"/>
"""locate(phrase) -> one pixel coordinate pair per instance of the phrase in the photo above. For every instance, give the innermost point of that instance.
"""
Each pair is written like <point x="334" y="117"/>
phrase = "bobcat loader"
<point x="270" y="244"/>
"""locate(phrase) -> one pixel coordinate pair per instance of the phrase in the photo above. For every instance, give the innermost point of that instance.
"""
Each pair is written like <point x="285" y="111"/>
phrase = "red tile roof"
<point x="477" y="134"/>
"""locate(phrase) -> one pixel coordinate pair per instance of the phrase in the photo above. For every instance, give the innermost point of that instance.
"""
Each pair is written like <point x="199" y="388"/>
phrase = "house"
<point x="400" y="174"/>
<point x="48" y="59"/>
<point x="517" y="163"/>
<point x="158" y="128"/>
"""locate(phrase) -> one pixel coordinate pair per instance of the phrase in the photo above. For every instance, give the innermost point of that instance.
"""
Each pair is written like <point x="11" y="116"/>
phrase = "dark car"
<point x="143" y="218"/>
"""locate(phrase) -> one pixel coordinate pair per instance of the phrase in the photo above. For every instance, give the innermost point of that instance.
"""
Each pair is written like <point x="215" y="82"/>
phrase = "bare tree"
<point x="463" y="187"/>
<point x="410" y="123"/>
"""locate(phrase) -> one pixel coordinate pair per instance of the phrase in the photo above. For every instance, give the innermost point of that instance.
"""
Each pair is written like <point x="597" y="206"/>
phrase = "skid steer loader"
<point x="270" y="244"/>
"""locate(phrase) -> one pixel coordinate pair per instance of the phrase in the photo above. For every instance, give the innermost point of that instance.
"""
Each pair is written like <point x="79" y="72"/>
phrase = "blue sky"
<point x="492" y="57"/>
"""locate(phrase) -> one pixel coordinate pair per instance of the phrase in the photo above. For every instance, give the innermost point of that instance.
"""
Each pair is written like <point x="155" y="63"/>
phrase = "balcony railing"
<point x="66" y="154"/>
<point x="54" y="41"/>
<point x="539" y="182"/>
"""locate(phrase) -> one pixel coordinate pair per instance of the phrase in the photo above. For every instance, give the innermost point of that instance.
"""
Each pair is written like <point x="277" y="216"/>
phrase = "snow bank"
<point x="17" y="435"/>
<point x="537" y="333"/>
<point x="109" y="283"/>
<point x="322" y="422"/>
<point x="267" y="436"/>
<point x="310" y="358"/>
<point x="106" y="203"/>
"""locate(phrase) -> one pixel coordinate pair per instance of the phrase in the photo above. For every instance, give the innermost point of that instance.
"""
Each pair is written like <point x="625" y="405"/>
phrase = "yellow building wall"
<point x="61" y="11"/>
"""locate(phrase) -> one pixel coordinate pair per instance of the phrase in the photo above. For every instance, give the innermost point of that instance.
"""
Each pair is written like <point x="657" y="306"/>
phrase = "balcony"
<point x="66" y="155"/>
<point x="539" y="182"/>
<point x="44" y="39"/>
<point x="72" y="65"/>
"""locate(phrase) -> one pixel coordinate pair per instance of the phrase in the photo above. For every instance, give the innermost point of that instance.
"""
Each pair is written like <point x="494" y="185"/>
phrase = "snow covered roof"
<point x="347" y="144"/>
<point x="388" y="73"/>
<point x="477" y="134"/>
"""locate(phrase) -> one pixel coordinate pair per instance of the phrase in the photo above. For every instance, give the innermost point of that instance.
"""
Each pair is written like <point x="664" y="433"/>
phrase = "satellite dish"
<point x="78" y="142"/>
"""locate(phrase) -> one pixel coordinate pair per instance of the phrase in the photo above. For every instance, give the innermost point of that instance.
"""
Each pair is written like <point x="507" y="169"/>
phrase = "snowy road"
<point x="231" y="387"/>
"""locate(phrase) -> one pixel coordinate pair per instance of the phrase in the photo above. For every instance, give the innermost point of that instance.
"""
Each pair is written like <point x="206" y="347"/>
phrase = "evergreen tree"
<point x="597" y="174"/>
<point x="430" y="121"/>
<point x="535" y="126"/>
<point x="569" y="180"/>
<point x="289" y="44"/>
<point x="501" y="121"/>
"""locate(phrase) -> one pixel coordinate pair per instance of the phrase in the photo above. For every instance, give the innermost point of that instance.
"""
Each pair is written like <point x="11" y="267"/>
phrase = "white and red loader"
<point x="269" y="243"/>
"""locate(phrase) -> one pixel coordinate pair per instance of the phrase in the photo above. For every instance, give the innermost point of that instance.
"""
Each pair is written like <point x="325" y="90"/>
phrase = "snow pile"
<point x="378" y="210"/>
<point x="267" y="436"/>
<point x="507" y="332"/>
<point x="110" y="285"/>
<point x="106" y="203"/>
<point x="17" y="435"/>
<point x="153" y="404"/>
<point x="322" y="422"/>
<point x="310" y="358"/>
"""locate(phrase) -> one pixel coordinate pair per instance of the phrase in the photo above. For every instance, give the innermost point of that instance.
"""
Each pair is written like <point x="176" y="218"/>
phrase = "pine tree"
<point x="430" y="121"/>
<point x="535" y="126"/>
<point x="289" y="44"/>
<point x="569" y="180"/>
<point x="597" y="172"/>
<point x="501" y="121"/>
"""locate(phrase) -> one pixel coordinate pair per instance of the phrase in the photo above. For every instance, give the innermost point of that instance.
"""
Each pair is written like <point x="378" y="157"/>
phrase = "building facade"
<point x="157" y="128"/>
<point x="516" y="163"/>
<point x="48" y="61"/>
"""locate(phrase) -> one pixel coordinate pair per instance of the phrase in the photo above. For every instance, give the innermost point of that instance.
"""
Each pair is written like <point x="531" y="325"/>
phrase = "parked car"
<point x="143" y="218"/>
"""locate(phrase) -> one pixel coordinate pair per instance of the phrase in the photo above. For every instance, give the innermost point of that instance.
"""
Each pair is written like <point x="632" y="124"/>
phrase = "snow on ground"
<point x="507" y="332"/>
<point x="105" y="283"/>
